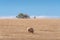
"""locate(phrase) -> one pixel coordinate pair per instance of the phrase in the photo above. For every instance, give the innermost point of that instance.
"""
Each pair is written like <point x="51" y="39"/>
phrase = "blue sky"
<point x="31" y="7"/>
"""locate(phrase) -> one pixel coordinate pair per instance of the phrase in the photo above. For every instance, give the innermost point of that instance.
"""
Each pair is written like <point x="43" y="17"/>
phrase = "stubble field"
<point x="16" y="29"/>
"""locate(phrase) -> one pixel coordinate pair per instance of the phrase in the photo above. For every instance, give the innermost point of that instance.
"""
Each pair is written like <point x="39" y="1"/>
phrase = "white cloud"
<point x="7" y="17"/>
<point x="46" y="16"/>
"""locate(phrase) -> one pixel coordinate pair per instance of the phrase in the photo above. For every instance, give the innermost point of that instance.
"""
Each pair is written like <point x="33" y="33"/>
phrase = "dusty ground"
<point x="16" y="29"/>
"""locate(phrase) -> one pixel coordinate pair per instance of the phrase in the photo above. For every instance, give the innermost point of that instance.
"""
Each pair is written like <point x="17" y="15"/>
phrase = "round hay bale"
<point x="31" y="30"/>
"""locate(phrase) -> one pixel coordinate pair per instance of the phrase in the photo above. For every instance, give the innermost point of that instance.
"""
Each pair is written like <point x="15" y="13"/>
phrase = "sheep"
<point x="30" y="30"/>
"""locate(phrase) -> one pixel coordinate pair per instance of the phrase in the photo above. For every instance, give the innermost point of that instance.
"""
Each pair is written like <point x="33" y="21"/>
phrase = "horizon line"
<point x="10" y="17"/>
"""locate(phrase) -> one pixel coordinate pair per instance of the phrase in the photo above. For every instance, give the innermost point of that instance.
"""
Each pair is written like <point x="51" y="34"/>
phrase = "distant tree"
<point x="34" y="17"/>
<point x="21" y="15"/>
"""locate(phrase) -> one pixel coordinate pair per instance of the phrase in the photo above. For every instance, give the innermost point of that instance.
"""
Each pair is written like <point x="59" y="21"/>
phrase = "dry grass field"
<point x="16" y="29"/>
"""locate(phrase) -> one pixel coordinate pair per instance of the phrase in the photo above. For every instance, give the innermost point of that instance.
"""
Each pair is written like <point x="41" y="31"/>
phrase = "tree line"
<point x="24" y="16"/>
